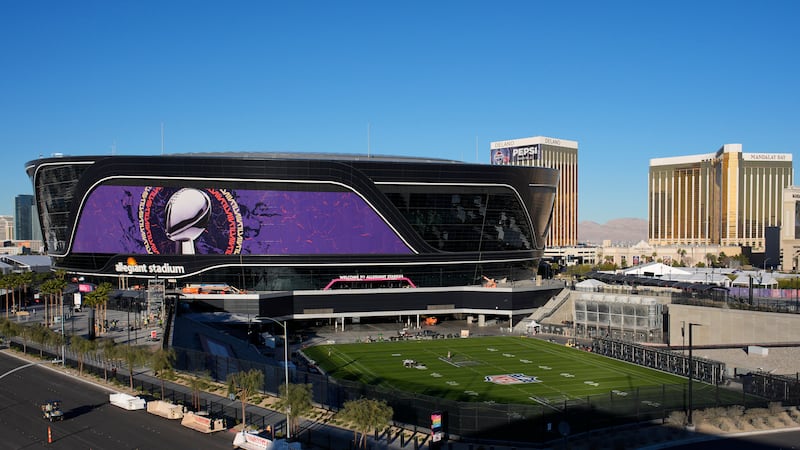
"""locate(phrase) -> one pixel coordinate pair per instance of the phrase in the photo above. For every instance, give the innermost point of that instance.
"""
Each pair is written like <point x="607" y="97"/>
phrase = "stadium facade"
<point x="283" y="227"/>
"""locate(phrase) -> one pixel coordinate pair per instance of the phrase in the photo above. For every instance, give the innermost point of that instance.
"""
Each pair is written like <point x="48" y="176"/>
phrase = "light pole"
<point x="63" y="336"/>
<point x="284" y="324"/>
<point x="689" y="424"/>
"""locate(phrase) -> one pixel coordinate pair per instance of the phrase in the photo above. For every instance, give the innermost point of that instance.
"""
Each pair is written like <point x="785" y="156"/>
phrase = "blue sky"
<point x="628" y="80"/>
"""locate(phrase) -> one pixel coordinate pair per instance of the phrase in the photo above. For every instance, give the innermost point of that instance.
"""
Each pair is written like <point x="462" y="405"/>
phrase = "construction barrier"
<point x="165" y="409"/>
<point x="126" y="401"/>
<point x="202" y="422"/>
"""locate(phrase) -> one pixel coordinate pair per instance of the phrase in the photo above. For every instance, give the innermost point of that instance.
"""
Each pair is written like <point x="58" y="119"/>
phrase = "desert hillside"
<point x="618" y="231"/>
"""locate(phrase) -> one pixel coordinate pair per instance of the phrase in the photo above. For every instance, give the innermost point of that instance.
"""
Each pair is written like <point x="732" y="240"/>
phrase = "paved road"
<point x="772" y="440"/>
<point x="91" y="422"/>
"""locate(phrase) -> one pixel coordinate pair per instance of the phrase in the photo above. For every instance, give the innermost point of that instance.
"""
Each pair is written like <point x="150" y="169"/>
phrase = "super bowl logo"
<point x="511" y="378"/>
<point x="190" y="221"/>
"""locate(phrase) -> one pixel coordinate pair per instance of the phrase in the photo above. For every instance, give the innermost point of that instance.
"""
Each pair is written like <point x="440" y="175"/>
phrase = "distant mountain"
<point x="618" y="231"/>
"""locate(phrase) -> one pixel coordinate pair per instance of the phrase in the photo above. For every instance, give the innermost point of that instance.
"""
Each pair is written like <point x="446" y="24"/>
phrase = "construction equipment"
<point x="51" y="410"/>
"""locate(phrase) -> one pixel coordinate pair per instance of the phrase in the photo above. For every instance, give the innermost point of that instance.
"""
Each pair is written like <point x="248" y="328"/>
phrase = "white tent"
<point x="761" y="280"/>
<point x="657" y="269"/>
<point x="589" y="285"/>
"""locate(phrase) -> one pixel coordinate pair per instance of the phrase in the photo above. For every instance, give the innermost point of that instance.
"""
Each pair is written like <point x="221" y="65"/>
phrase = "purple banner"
<point x="167" y="220"/>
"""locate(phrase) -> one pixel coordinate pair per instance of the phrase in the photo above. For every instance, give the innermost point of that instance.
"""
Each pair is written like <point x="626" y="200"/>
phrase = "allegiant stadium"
<point x="304" y="236"/>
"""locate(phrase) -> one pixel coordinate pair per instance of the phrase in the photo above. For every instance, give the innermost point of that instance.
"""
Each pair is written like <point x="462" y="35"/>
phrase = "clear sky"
<point x="628" y="80"/>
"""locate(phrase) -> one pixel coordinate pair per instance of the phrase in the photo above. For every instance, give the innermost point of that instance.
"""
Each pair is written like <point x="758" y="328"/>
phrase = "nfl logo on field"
<point x="511" y="378"/>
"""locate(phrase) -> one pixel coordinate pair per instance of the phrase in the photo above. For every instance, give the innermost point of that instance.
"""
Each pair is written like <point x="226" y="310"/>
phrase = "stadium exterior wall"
<point x="288" y="223"/>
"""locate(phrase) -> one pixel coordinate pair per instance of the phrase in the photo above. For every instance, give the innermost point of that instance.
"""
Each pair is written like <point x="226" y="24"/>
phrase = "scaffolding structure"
<point x="623" y="317"/>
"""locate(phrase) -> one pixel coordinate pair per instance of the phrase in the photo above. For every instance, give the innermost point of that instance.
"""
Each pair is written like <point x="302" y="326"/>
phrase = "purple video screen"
<point x="151" y="220"/>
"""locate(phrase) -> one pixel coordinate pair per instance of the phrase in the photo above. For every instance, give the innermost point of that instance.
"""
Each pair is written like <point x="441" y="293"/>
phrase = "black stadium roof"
<point x="320" y="156"/>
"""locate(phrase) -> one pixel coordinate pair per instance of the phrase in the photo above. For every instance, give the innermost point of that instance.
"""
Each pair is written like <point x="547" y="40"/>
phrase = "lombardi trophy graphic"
<point x="187" y="214"/>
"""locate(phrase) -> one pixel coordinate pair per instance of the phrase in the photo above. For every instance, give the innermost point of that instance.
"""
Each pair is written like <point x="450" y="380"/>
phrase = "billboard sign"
<point x="167" y="220"/>
<point x="437" y="428"/>
<point x="515" y="155"/>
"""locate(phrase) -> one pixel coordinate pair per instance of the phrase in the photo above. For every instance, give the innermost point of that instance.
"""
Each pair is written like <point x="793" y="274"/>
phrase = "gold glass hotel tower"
<point x="552" y="153"/>
<point x="722" y="198"/>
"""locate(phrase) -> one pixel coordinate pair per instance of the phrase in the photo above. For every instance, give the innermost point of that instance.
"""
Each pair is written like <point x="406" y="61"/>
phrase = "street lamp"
<point x="284" y="324"/>
<point x="63" y="336"/>
<point x="689" y="424"/>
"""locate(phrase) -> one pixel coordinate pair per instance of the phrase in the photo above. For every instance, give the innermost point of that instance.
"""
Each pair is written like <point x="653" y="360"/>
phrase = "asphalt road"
<point x="776" y="440"/>
<point x="90" y="422"/>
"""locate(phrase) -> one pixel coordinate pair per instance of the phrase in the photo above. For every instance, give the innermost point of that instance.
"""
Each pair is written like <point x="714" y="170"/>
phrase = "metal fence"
<point x="705" y="370"/>
<point x="777" y="388"/>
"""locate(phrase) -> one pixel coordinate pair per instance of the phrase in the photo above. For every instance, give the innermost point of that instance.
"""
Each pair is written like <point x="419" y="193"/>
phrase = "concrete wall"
<point x="565" y="313"/>
<point x="731" y="326"/>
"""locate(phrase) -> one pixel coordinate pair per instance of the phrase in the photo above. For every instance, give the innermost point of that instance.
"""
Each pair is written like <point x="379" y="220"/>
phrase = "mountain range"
<point x="625" y="231"/>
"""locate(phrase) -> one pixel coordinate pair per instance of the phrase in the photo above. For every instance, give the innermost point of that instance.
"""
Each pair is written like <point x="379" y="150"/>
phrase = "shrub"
<point x="734" y="411"/>
<point x="677" y="418"/>
<point x="740" y="422"/>
<point x="724" y="425"/>
<point x="775" y="408"/>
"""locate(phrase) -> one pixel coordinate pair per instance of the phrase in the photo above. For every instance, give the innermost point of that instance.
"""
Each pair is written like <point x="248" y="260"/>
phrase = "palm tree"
<point x="82" y="347"/>
<point x="96" y="300"/>
<point x="8" y="328"/>
<point x="25" y="278"/>
<point x="197" y="384"/>
<point x="111" y="354"/>
<point x="295" y="404"/>
<point x="162" y="361"/>
<point x="26" y="333"/>
<point x="13" y="282"/>
<point x="367" y="415"/>
<point x="133" y="356"/>
<point x="42" y="336"/>
<point x="245" y="385"/>
<point x="5" y="284"/>
<point x="59" y="283"/>
<point x="48" y="290"/>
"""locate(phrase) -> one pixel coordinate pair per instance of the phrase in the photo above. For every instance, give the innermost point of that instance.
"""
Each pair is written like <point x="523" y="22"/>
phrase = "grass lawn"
<point x="549" y="373"/>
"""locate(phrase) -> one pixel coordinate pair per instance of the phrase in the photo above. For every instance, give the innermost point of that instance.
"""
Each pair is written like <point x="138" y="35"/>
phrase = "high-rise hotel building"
<point x="553" y="153"/>
<point x="722" y="198"/>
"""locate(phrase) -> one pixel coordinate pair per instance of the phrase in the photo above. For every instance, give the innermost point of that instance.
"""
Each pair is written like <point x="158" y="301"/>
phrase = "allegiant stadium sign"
<point x="132" y="267"/>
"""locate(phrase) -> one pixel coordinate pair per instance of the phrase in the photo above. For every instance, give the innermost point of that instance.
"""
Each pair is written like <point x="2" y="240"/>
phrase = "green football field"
<point x="494" y="369"/>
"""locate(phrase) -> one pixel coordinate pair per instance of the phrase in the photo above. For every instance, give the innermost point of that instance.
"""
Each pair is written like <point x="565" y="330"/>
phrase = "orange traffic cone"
<point x="49" y="436"/>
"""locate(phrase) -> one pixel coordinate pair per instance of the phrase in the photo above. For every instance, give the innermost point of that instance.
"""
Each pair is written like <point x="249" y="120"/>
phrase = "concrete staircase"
<point x="544" y="312"/>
